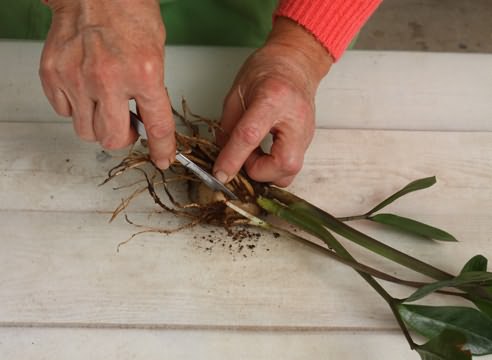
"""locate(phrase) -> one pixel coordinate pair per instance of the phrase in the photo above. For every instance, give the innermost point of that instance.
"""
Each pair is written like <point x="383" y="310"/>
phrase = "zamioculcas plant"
<point x="453" y="332"/>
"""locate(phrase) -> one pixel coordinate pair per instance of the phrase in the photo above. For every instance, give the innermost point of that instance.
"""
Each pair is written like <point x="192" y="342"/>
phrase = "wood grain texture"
<point x="81" y="344"/>
<point x="365" y="89"/>
<point x="61" y="266"/>
<point x="64" y="287"/>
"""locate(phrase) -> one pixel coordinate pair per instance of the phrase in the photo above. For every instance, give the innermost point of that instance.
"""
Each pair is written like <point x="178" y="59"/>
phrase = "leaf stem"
<point x="356" y="265"/>
<point x="352" y="218"/>
<point x="327" y="220"/>
<point x="316" y="229"/>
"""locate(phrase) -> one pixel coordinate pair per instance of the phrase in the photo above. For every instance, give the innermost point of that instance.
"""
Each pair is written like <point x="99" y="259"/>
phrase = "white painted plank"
<point x="60" y="264"/>
<point x="407" y="90"/>
<point x="384" y="90"/>
<point x="60" y="267"/>
<point x="61" y="171"/>
<point x="350" y="169"/>
<point x="82" y="344"/>
<point x="63" y="268"/>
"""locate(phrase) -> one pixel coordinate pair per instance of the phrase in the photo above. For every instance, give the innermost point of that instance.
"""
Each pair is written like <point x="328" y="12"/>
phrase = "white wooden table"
<point x="384" y="119"/>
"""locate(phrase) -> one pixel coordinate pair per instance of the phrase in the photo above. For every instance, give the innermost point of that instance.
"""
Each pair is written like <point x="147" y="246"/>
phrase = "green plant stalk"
<point x="356" y="265"/>
<point x="319" y="231"/>
<point x="354" y="217"/>
<point x="325" y="219"/>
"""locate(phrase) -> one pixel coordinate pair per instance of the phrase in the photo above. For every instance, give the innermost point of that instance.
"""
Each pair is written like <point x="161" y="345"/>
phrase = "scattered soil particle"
<point x="236" y="241"/>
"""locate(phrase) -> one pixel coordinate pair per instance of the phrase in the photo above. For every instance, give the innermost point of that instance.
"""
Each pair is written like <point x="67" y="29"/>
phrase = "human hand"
<point x="273" y="93"/>
<point x="98" y="55"/>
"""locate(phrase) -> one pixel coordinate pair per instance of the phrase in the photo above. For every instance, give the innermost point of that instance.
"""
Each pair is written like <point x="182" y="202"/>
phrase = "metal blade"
<point x="203" y="175"/>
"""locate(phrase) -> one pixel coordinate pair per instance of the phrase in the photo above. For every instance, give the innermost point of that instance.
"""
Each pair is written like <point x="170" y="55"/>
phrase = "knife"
<point x="203" y="175"/>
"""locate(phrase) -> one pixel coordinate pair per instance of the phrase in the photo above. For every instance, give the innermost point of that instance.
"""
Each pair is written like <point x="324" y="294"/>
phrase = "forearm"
<point x="96" y="12"/>
<point x="334" y="23"/>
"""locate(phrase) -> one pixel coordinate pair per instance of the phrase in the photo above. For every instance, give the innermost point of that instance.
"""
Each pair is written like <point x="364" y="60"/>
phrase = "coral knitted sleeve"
<point x="333" y="22"/>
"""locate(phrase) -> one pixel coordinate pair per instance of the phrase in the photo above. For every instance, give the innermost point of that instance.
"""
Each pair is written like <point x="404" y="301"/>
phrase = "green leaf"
<point x="485" y="305"/>
<point x="471" y="278"/>
<point x="302" y="220"/>
<point x="430" y="321"/>
<point x="305" y="220"/>
<point x="413" y="227"/>
<point x="446" y="346"/>
<point x="476" y="263"/>
<point x="413" y="186"/>
<point x="354" y="235"/>
<point x="482" y="299"/>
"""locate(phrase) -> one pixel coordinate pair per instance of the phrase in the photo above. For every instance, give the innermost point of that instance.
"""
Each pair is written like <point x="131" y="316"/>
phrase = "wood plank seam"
<point x="242" y="328"/>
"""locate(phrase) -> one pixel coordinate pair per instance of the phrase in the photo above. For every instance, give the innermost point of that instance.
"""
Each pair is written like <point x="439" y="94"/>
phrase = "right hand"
<point x="98" y="55"/>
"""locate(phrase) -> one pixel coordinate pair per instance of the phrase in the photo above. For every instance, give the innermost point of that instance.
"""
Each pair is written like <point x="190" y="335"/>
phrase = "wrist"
<point x="82" y="14"/>
<point x="302" y="45"/>
<point x="58" y="6"/>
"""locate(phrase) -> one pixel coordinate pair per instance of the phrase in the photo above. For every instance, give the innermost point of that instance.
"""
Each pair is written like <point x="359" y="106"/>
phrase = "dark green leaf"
<point x="301" y="219"/>
<point x="484" y="303"/>
<point x="430" y="321"/>
<point x="413" y="227"/>
<point x="413" y="186"/>
<point x="446" y="346"/>
<point x="476" y="263"/>
<point x="354" y="235"/>
<point x="472" y="278"/>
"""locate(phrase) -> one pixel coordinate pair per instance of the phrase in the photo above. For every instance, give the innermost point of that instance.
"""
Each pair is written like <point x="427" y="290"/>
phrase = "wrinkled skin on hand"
<point x="273" y="93"/>
<point x="100" y="54"/>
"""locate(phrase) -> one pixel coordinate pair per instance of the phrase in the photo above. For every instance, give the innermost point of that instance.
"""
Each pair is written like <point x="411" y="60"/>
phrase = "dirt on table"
<point x="238" y="241"/>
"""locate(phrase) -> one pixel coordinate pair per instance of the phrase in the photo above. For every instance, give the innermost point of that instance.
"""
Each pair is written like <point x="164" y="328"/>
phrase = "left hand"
<point x="273" y="93"/>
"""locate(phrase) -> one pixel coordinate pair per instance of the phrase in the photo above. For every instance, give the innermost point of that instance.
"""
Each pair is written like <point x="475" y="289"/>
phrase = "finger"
<point x="83" y="116"/>
<point x="156" y="114"/>
<point x="284" y="182"/>
<point x="47" y="75"/>
<point x="245" y="137"/>
<point x="231" y="114"/>
<point x="284" y="161"/>
<point x="56" y="96"/>
<point x="112" y="123"/>
<point x="61" y="104"/>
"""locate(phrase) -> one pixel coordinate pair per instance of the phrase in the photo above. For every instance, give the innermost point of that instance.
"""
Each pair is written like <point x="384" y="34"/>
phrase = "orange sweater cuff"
<point x="333" y="22"/>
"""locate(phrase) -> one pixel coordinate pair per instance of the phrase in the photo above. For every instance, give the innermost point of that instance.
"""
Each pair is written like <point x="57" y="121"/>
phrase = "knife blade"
<point x="207" y="178"/>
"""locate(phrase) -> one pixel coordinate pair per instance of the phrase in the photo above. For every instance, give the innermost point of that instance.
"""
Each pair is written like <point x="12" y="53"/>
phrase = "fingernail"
<point x="162" y="164"/>
<point x="221" y="176"/>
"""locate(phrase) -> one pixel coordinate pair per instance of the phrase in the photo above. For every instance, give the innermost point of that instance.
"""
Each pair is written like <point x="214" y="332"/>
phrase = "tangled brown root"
<point x="203" y="205"/>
